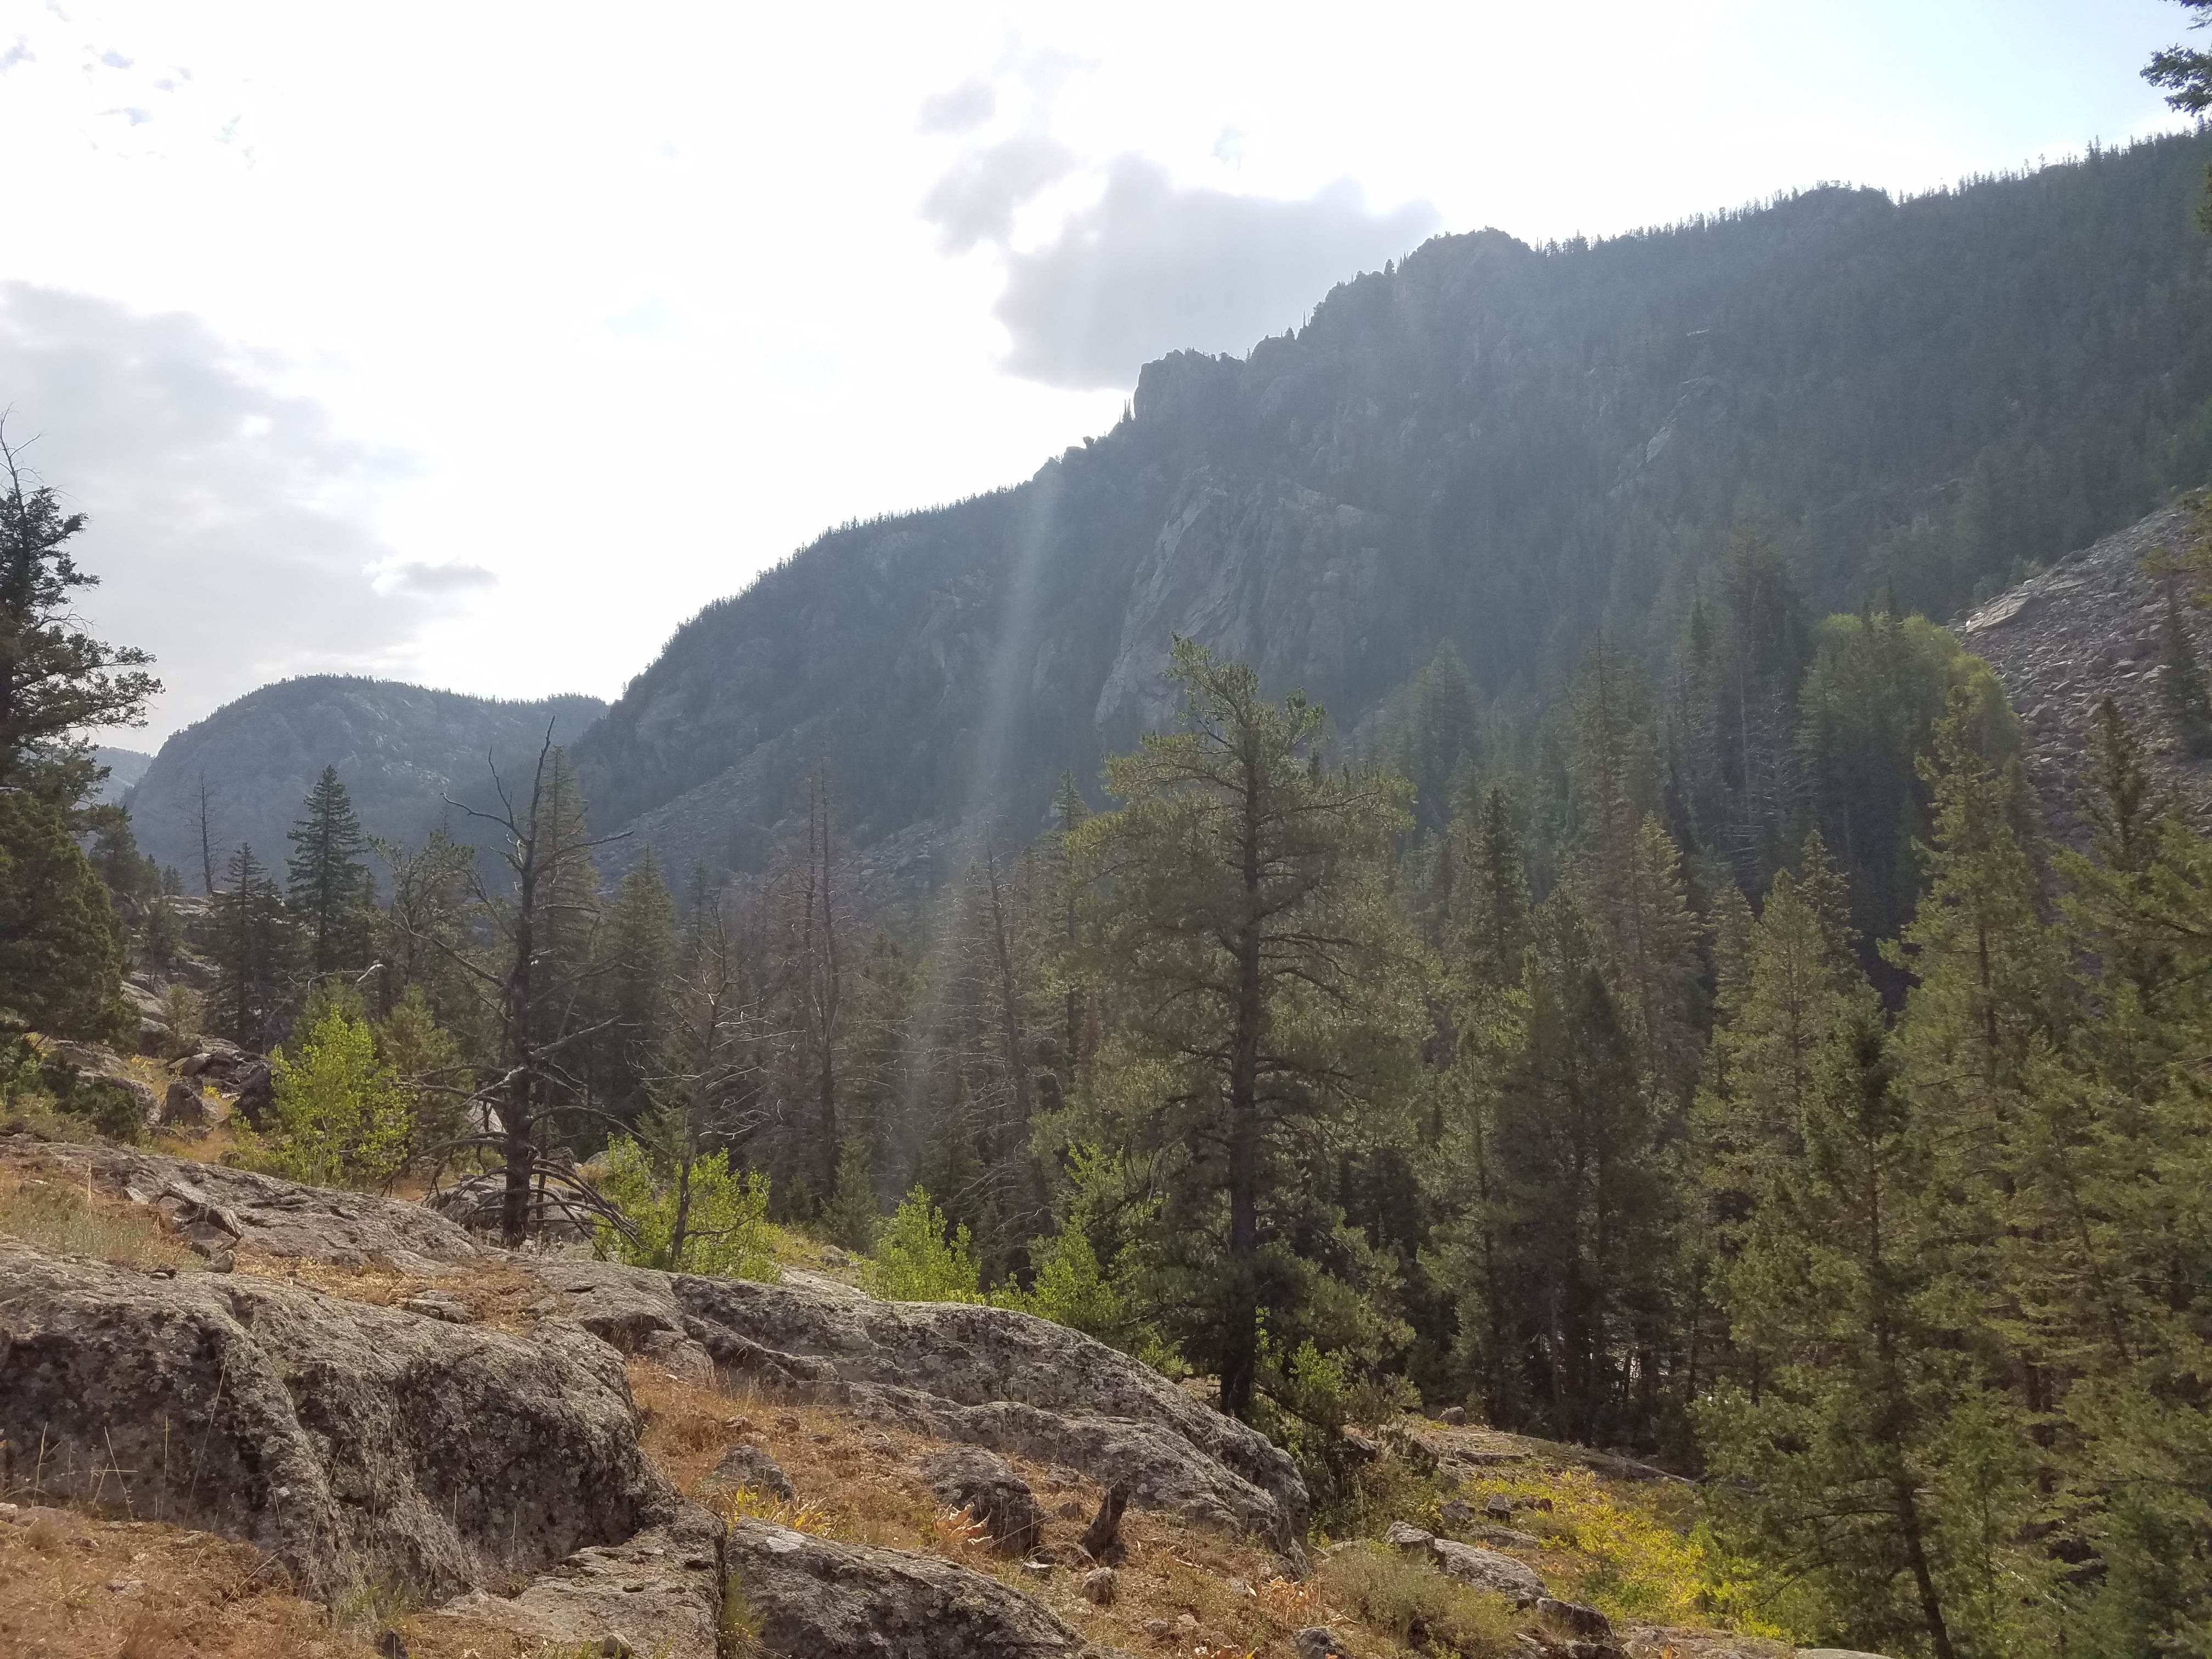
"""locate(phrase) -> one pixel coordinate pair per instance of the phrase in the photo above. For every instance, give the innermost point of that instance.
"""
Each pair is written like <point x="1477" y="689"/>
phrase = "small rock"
<point x="1158" y="1629"/>
<point x="1488" y="1570"/>
<point x="985" y="1485"/>
<point x="1238" y="1587"/>
<point x="1070" y="1510"/>
<point x="1316" y="1642"/>
<point x="746" y="1465"/>
<point x="1406" y="1536"/>
<point x="788" y="1425"/>
<point x="1037" y="1569"/>
<point x="1362" y="1445"/>
<point x="1452" y="1415"/>
<point x="1498" y="1509"/>
<point x="1573" y="1616"/>
<point x="1099" y="1585"/>
<point x="1185" y="1621"/>
<point x="615" y="1647"/>
<point x="819" y="1439"/>
<point x="1455" y="1514"/>
<point x="391" y="1644"/>
<point x="126" y="1586"/>
<point x="437" y="1305"/>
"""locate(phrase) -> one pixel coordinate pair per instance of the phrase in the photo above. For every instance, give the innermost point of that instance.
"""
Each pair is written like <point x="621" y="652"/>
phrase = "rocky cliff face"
<point x="397" y="749"/>
<point x="2085" y="630"/>
<point x="1501" y="446"/>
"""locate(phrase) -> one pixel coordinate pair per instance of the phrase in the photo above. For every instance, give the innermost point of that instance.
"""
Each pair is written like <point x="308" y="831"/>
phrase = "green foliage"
<point x="922" y="1257"/>
<point x="1239" y="918"/>
<point x="853" y="1219"/>
<point x="1071" y="1287"/>
<point x="344" y="1117"/>
<point x="331" y="892"/>
<point x="55" y="680"/>
<point x="688" y="1215"/>
<point x="252" y="945"/>
<point x="61" y="947"/>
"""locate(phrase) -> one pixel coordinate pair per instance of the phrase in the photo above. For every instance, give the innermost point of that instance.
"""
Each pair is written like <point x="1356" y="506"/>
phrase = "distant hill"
<point x="397" y="749"/>
<point x="125" y="768"/>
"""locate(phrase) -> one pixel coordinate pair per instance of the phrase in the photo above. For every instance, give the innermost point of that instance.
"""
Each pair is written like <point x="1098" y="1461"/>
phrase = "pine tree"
<point x="251" y="951"/>
<point x="330" y="891"/>
<point x="55" y="680"/>
<point x="1244" y="935"/>
<point x="1581" y="1255"/>
<point x="60" y="946"/>
<point x="636" y="948"/>
<point x="1875" y="1465"/>
<point x="1494" y="894"/>
<point x="1636" y="889"/>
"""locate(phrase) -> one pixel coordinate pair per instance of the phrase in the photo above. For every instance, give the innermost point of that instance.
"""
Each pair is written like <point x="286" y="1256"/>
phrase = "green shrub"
<point x="344" y="1118"/>
<point x="920" y="1258"/>
<point x="711" y="1220"/>
<point x="1071" y="1288"/>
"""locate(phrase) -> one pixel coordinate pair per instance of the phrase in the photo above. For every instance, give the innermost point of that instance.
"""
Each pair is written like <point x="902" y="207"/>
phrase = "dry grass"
<point x="182" y="1595"/>
<point x="58" y="1216"/>
<point x="1411" y="1602"/>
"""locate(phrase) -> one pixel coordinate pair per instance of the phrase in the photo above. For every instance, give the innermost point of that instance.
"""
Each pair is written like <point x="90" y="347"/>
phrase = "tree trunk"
<point x="1240" y="1357"/>
<point x="517" y="1123"/>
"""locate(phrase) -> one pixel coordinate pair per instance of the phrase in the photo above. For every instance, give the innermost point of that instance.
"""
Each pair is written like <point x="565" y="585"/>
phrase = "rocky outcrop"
<point x="811" y="1598"/>
<point x="354" y="1444"/>
<point x="2085" y="630"/>
<point x="658" y="1593"/>
<point x="1281" y="577"/>
<point x="280" y="1218"/>
<point x="988" y="1377"/>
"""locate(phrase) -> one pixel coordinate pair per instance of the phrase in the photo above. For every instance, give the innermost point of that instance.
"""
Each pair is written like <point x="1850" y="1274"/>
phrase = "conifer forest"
<point x="1667" y="1023"/>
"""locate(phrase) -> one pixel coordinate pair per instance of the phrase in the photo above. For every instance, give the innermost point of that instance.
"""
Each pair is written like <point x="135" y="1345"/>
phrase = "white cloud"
<point x="230" y="523"/>
<point x="1152" y="267"/>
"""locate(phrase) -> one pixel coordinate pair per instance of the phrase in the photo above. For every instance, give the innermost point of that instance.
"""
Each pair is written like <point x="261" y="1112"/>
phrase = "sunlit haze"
<point x="479" y="345"/>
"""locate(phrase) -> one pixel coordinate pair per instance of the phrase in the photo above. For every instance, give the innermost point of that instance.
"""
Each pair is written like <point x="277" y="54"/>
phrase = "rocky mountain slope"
<point x="2087" y="628"/>
<point x="125" y="768"/>
<point x="453" y="1449"/>
<point x="1502" y="446"/>
<point x="397" y="749"/>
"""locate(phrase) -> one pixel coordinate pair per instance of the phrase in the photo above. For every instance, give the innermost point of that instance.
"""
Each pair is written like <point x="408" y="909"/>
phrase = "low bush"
<point x="1413" y="1604"/>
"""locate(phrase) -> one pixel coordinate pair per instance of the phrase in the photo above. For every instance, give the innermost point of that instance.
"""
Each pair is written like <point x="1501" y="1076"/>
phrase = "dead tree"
<point x="531" y="995"/>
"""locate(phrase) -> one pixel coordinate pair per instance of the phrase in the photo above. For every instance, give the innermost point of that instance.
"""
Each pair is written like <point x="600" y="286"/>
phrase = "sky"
<point x="480" y="344"/>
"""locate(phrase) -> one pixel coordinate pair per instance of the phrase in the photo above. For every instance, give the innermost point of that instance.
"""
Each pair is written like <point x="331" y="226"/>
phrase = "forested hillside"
<point x="1502" y="446"/>
<point x="399" y="748"/>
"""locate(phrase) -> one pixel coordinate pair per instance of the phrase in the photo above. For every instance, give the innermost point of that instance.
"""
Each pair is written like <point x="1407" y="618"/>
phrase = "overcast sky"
<point x="479" y="344"/>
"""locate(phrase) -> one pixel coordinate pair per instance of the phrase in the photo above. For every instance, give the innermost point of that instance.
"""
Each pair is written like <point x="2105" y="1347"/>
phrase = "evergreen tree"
<point x="1494" y="905"/>
<point x="1582" y="1255"/>
<point x="330" y="891"/>
<point x="61" y="946"/>
<point x="251" y="951"/>
<point x="55" y="680"/>
<point x="636" y="947"/>
<point x="1246" y="940"/>
<point x="1875" y="1465"/>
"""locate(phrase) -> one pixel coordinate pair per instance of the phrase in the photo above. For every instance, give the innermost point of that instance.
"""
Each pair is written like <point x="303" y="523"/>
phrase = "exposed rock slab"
<point x="1487" y="1570"/>
<point x="986" y="1377"/>
<point x="352" y="1443"/>
<point x="810" y="1598"/>
<point x="280" y="1218"/>
<point x="660" y="1591"/>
